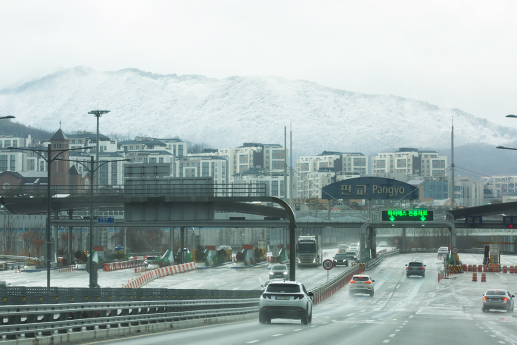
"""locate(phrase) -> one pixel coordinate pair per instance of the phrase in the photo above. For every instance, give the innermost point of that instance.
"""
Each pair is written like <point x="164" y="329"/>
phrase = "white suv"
<point x="361" y="284"/>
<point x="285" y="300"/>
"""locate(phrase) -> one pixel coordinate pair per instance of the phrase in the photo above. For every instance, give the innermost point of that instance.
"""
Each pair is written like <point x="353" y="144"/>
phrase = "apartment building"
<point x="257" y="179"/>
<point x="243" y="158"/>
<point x="409" y="162"/>
<point x="15" y="141"/>
<point x="85" y="138"/>
<point x="202" y="166"/>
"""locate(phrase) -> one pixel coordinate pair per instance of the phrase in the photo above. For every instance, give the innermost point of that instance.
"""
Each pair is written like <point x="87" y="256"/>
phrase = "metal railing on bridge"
<point x="154" y="189"/>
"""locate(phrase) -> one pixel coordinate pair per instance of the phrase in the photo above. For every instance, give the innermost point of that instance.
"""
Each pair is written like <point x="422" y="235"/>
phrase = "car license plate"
<point x="282" y="297"/>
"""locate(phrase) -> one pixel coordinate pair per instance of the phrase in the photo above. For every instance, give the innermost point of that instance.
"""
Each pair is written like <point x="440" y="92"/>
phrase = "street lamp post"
<point x="92" y="170"/>
<point x="7" y="117"/>
<point x="49" y="159"/>
<point x="97" y="114"/>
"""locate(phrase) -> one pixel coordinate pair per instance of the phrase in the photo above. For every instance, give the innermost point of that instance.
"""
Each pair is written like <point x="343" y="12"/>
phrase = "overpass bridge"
<point x="194" y="205"/>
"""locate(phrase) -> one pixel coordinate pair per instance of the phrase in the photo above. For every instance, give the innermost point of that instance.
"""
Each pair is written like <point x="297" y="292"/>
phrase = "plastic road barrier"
<point x="483" y="277"/>
<point x="474" y="277"/>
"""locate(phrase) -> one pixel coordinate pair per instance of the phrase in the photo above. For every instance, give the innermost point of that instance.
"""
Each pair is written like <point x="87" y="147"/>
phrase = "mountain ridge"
<point x="227" y="112"/>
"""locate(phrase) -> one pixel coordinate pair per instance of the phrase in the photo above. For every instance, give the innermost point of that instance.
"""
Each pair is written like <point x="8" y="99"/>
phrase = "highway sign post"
<point x="455" y="250"/>
<point x="328" y="264"/>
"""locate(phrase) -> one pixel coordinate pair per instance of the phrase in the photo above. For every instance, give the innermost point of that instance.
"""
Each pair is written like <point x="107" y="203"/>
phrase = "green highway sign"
<point x="416" y="215"/>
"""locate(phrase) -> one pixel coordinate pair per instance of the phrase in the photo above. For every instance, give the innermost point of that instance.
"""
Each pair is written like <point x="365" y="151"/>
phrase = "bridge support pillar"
<point x="403" y="247"/>
<point x="70" y="252"/>
<point x="182" y="245"/>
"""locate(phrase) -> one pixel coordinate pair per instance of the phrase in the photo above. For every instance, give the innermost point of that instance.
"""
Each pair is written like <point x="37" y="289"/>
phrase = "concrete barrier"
<point x="151" y="275"/>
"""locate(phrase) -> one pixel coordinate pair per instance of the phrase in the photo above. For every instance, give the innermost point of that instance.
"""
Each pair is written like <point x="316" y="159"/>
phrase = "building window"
<point x="161" y="159"/>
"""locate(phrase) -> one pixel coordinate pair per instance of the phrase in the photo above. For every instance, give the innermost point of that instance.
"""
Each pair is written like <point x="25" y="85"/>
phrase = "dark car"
<point x="498" y="299"/>
<point x="415" y="268"/>
<point x="340" y="259"/>
<point x="352" y="256"/>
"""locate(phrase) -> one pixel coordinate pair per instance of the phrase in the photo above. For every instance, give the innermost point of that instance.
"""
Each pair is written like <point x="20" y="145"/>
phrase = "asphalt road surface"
<point x="403" y="311"/>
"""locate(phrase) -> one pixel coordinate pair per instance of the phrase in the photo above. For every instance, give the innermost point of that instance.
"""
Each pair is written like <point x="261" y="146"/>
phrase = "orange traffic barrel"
<point x="504" y="269"/>
<point x="483" y="277"/>
<point x="469" y="268"/>
<point x="512" y="270"/>
<point x="474" y="277"/>
<point x="480" y="268"/>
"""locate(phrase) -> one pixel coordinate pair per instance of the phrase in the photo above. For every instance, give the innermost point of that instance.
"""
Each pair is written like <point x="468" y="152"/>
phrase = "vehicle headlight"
<point x="285" y="272"/>
<point x="271" y="273"/>
<point x="314" y="261"/>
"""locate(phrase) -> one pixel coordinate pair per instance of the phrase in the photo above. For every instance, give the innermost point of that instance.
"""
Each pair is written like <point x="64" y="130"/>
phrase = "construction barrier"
<point x="464" y="267"/>
<point x="474" y="268"/>
<point x="115" y="266"/>
<point x="469" y="267"/>
<point x="474" y="277"/>
<point x="512" y="269"/>
<point x="334" y="287"/>
<point x="151" y="275"/>
<point x="67" y="269"/>
<point x="483" y="277"/>
<point x="480" y="268"/>
<point x="140" y="269"/>
<point x="504" y="269"/>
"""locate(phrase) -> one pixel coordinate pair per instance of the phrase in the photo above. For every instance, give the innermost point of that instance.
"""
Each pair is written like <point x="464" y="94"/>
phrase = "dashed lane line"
<point x="386" y="341"/>
<point x="253" y="341"/>
<point x="296" y="330"/>
<point x="276" y="335"/>
<point x="392" y="335"/>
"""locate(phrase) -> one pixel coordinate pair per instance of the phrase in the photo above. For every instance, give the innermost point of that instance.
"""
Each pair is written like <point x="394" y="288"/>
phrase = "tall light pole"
<point x="92" y="170"/>
<point x="49" y="159"/>
<point x="97" y="114"/>
<point x="7" y="117"/>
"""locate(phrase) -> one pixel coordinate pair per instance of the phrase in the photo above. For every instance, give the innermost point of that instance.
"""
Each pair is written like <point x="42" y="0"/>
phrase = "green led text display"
<point x="416" y="215"/>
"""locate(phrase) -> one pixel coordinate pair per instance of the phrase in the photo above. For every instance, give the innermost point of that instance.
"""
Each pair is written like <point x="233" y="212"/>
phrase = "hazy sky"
<point x="460" y="54"/>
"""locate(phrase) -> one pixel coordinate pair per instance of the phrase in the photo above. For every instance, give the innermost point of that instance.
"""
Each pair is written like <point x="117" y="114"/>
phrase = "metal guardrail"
<point x="144" y="190"/>
<point x="329" y="288"/>
<point x="18" y="295"/>
<point x="47" y="319"/>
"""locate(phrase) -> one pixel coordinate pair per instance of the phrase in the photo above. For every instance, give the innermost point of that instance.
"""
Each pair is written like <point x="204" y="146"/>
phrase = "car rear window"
<point x="349" y="253"/>
<point x="361" y="278"/>
<point x="343" y="246"/>
<point x="279" y="267"/>
<point x="340" y="256"/>
<point x="415" y="264"/>
<point x="495" y="293"/>
<point x="285" y="288"/>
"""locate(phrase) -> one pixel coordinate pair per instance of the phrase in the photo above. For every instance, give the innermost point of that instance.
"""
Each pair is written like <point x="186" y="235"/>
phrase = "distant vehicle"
<point x="285" y="300"/>
<point x="224" y="247"/>
<point x="415" y="268"/>
<point x="362" y="284"/>
<point x="352" y="256"/>
<point x="278" y="271"/>
<point x="342" y="248"/>
<point x="353" y="247"/>
<point x="443" y="250"/>
<point x="383" y="244"/>
<point x="498" y="299"/>
<point x="340" y="259"/>
<point x="310" y="250"/>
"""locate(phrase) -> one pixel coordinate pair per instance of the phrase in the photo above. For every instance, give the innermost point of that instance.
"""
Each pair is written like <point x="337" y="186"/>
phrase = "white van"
<point x="443" y="250"/>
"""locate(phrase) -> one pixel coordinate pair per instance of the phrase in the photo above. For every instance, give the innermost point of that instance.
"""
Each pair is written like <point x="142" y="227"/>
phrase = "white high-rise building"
<point x="409" y="162"/>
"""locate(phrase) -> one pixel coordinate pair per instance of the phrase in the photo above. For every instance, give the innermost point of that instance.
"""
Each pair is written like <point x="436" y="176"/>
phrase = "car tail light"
<point x="504" y="299"/>
<point x="408" y="268"/>
<point x="298" y="296"/>
<point x="352" y="281"/>
<point x="484" y="297"/>
<point x="422" y="268"/>
<point x="264" y="295"/>
<point x="368" y="282"/>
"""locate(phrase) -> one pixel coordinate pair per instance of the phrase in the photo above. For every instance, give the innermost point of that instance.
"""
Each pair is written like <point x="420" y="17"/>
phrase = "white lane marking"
<point x="315" y="326"/>
<point x="386" y="341"/>
<point x="296" y="330"/>
<point x="351" y="314"/>
<point x="397" y="286"/>
<point x="401" y="326"/>
<point x="501" y="342"/>
<point x="236" y="289"/>
<point x="394" y="319"/>
<point x="410" y="316"/>
<point x="392" y="335"/>
<point x="253" y="341"/>
<point x="397" y="330"/>
<point x="276" y="335"/>
<point x="324" y="323"/>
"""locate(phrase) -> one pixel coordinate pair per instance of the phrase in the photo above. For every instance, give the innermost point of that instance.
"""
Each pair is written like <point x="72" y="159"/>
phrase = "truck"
<point x="309" y="249"/>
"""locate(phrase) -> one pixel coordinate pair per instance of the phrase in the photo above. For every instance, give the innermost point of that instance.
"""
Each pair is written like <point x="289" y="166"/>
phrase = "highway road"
<point x="403" y="311"/>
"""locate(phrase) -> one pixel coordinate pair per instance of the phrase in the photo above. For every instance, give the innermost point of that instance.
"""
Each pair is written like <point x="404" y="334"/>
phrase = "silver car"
<point x="498" y="299"/>
<point x="278" y="271"/>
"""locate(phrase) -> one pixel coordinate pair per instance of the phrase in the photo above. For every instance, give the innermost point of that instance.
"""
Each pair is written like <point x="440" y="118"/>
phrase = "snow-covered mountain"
<point x="228" y="112"/>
